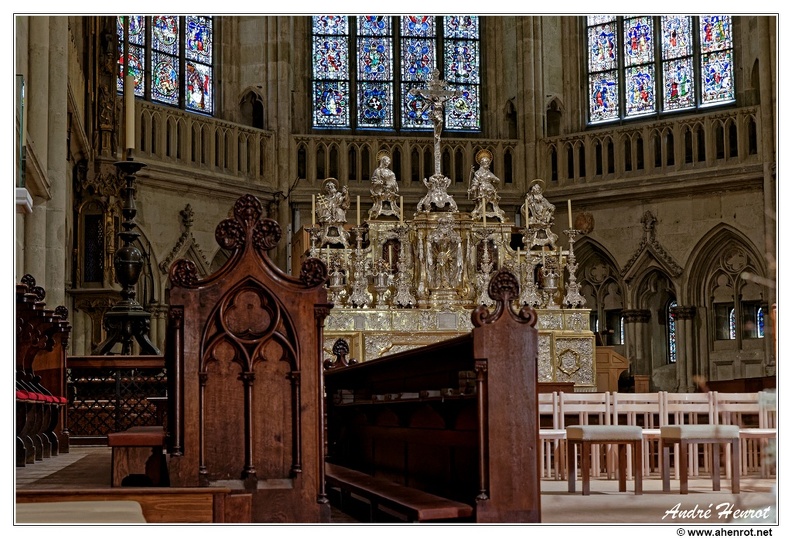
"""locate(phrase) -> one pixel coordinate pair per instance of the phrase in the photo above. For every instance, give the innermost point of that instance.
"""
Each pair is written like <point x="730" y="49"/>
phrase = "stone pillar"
<point x="57" y="162"/>
<point x="635" y="321"/>
<point x="77" y="340"/>
<point x="37" y="94"/>
<point x="685" y="349"/>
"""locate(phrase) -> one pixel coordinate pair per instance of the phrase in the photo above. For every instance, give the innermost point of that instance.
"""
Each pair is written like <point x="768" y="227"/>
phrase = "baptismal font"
<point x="399" y="283"/>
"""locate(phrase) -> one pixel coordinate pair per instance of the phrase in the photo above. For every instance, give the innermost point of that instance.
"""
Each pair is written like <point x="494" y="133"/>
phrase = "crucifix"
<point x="435" y="95"/>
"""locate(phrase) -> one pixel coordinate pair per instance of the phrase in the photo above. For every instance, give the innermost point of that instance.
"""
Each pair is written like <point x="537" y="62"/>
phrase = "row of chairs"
<point x="754" y="413"/>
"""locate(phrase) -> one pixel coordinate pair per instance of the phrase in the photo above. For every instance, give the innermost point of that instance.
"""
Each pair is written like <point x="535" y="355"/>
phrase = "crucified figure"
<point x="436" y="94"/>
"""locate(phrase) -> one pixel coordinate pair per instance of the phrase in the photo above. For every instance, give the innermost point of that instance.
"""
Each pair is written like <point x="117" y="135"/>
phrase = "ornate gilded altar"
<point x="399" y="284"/>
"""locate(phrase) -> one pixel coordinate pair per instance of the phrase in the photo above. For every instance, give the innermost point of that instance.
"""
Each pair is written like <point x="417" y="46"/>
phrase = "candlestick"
<point x="569" y="210"/>
<point x="129" y="106"/>
<point x="313" y="210"/>
<point x="358" y="210"/>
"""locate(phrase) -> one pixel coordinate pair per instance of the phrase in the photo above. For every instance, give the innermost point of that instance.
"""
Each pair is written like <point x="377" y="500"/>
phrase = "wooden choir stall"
<point x="444" y="432"/>
<point x="243" y="346"/>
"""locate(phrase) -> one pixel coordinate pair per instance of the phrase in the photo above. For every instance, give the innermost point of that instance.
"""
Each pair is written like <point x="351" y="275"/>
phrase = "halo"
<point x="333" y="181"/>
<point x="540" y="181"/>
<point x="381" y="154"/>
<point x="482" y="154"/>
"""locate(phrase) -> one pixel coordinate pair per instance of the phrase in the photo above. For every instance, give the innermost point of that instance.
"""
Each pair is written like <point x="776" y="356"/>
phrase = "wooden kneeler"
<point x="622" y="435"/>
<point x="685" y="435"/>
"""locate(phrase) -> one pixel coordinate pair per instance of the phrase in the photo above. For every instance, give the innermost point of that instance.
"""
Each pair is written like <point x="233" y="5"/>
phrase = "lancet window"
<point x="641" y="65"/>
<point x="170" y="59"/>
<point x="364" y="67"/>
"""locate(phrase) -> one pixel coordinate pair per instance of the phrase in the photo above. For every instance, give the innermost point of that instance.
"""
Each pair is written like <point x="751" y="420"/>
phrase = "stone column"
<point x="635" y="321"/>
<point x="57" y="162"/>
<point x="685" y="350"/>
<point x="37" y="94"/>
<point x="77" y="340"/>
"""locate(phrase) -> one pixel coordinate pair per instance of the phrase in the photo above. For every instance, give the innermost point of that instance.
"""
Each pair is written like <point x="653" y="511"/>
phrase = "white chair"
<point x="643" y="410"/>
<point x="754" y="414"/>
<point x="689" y="409"/>
<point x="551" y="437"/>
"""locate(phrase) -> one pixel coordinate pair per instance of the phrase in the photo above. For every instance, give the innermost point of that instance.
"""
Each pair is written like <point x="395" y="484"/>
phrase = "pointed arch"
<point x="251" y="107"/>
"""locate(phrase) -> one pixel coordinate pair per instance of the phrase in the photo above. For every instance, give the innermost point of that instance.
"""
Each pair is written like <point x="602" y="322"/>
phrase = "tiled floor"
<point x="604" y="505"/>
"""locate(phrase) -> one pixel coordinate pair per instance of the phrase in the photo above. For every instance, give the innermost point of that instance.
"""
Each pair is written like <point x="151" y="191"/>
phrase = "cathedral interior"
<point x="623" y="167"/>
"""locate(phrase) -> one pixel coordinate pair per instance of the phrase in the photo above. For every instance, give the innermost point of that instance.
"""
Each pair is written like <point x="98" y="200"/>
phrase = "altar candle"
<point x="401" y="209"/>
<point x="485" y="218"/>
<point x="390" y="255"/>
<point x="313" y="210"/>
<point x="358" y="210"/>
<point x="129" y="106"/>
<point x="569" y="210"/>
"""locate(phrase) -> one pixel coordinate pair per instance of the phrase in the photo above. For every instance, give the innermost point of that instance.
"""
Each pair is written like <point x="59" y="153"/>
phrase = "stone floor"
<point x="605" y="505"/>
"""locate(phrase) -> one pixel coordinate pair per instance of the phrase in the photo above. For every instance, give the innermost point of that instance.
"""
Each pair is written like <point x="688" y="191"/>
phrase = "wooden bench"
<point x="42" y="337"/>
<point x="457" y="420"/>
<point x="93" y="512"/>
<point x="159" y="505"/>
<point x="138" y="458"/>
<point x="414" y="505"/>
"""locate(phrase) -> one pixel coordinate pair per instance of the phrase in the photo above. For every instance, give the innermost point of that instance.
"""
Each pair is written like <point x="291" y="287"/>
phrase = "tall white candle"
<point x="569" y="210"/>
<point x="313" y="210"/>
<point x="129" y="110"/>
<point x="401" y="209"/>
<point x="358" y="210"/>
<point x="484" y="218"/>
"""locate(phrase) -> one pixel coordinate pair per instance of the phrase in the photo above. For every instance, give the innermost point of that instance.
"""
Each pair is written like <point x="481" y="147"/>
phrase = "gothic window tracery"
<point x="364" y="67"/>
<point x="170" y="59"/>
<point x="641" y="65"/>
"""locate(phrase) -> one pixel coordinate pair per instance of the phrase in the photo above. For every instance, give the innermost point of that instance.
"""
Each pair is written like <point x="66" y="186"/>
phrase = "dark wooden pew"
<point x="42" y="337"/>
<point x="454" y="421"/>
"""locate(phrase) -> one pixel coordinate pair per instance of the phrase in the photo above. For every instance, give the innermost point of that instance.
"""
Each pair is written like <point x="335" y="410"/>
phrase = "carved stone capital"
<point x="632" y="316"/>
<point x="683" y="313"/>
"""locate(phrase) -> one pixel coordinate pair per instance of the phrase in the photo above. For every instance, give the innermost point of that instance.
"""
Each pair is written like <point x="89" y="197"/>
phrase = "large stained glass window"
<point x="364" y="68"/>
<point x="170" y="58"/>
<point x="641" y="65"/>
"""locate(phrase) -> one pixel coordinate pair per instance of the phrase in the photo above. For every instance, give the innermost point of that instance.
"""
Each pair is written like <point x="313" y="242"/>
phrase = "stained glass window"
<point x="672" y="351"/>
<point x="643" y="65"/>
<point x="389" y="57"/>
<point x="170" y="58"/>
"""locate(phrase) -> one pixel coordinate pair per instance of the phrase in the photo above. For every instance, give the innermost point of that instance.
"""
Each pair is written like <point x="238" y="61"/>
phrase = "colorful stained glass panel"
<point x="716" y="76"/>
<point x="374" y="59"/>
<point x="716" y="33"/>
<point x="198" y="39"/>
<point x="165" y="34"/>
<point x="592" y="20"/>
<point x="418" y="26"/>
<point x="336" y="25"/>
<point x="604" y="100"/>
<point x="639" y="88"/>
<point x="164" y="79"/>
<point x="416" y="113"/>
<point x="462" y="61"/>
<point x="418" y="59"/>
<point x="375" y="105"/>
<point x="672" y="352"/>
<point x="331" y="104"/>
<point x="331" y="58"/>
<point x="638" y="41"/>
<point x="463" y="112"/>
<point x="603" y="47"/>
<point x="676" y="37"/>
<point x="461" y="26"/>
<point x="678" y="88"/>
<point x="198" y="87"/>
<point x="374" y="25"/>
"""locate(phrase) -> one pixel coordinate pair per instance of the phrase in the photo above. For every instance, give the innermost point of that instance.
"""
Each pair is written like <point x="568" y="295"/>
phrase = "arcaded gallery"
<point x="396" y="269"/>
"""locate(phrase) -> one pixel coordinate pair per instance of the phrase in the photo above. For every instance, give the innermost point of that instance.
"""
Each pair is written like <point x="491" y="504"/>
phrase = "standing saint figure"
<point x="331" y="213"/>
<point x="482" y="188"/>
<point x="384" y="188"/>
<point x="539" y="216"/>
